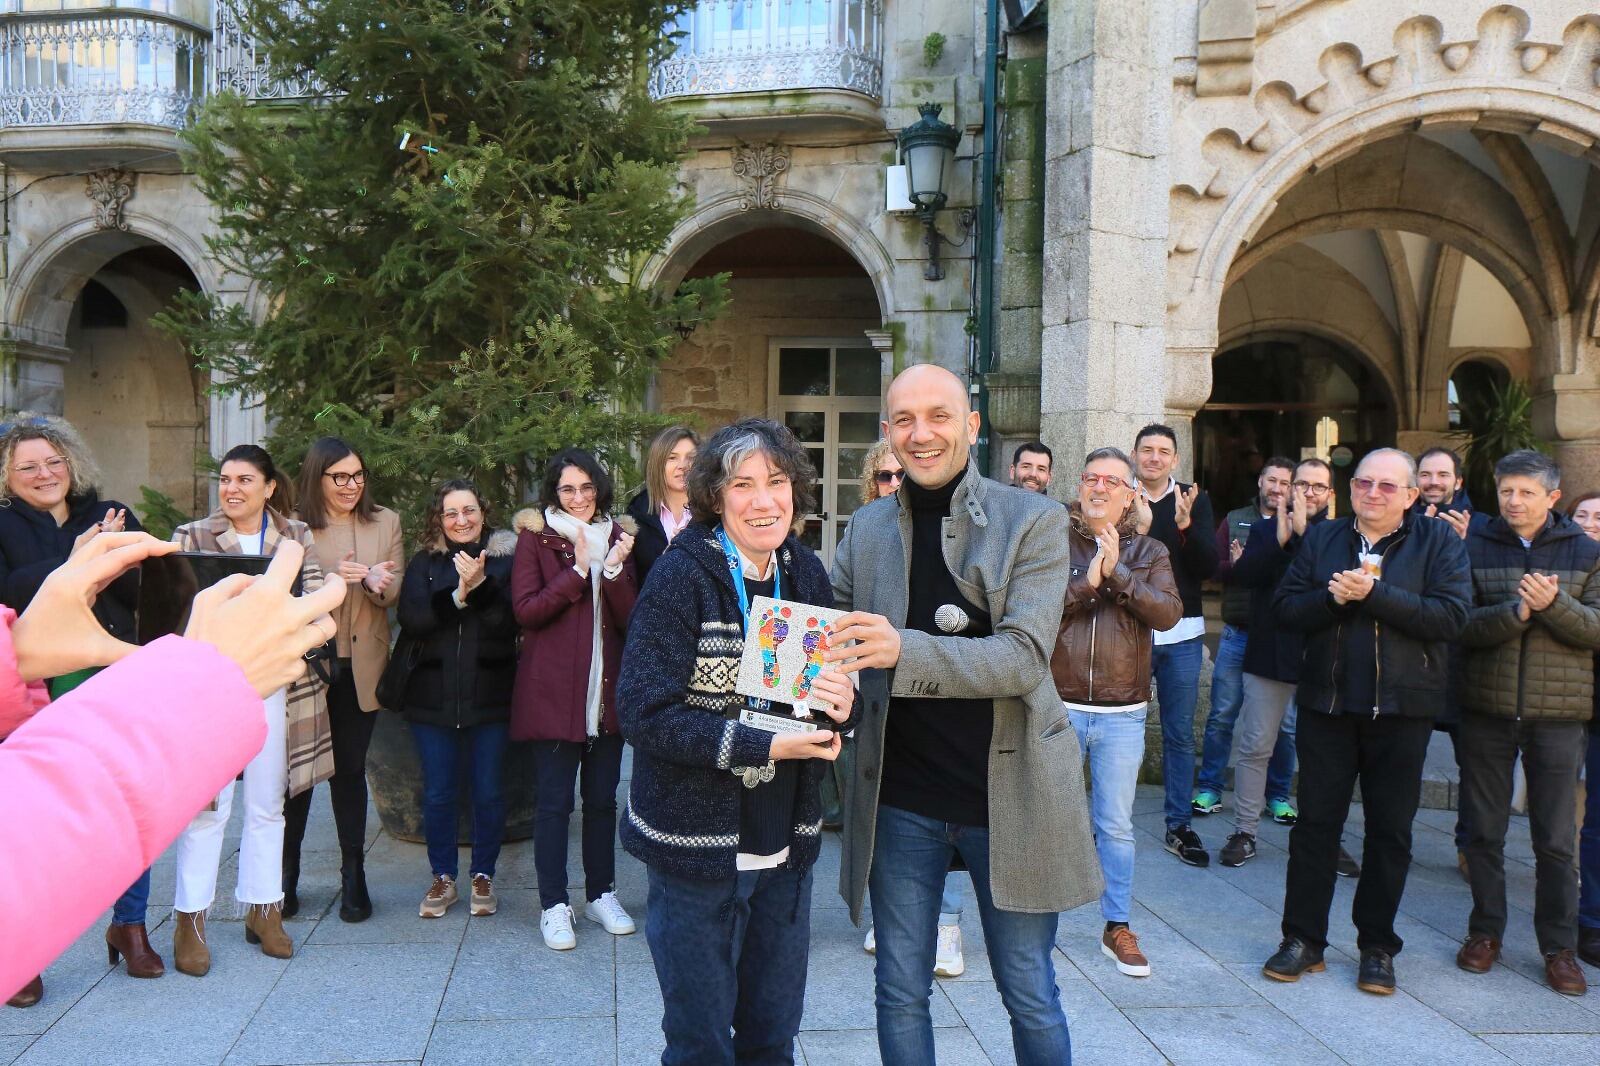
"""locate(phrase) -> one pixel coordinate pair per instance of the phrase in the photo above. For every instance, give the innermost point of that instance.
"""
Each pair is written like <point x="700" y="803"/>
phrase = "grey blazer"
<point x="1006" y="548"/>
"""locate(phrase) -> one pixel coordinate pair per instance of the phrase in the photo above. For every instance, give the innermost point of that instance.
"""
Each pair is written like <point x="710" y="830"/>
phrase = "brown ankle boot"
<point x="133" y="943"/>
<point x="264" y="925"/>
<point x="189" y="952"/>
<point x="28" y="994"/>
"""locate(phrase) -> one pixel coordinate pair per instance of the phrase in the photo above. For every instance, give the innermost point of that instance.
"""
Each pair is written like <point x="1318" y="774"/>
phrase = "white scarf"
<point x="598" y="534"/>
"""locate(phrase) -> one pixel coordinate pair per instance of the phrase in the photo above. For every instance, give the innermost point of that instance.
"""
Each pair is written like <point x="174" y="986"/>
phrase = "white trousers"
<point x="266" y="777"/>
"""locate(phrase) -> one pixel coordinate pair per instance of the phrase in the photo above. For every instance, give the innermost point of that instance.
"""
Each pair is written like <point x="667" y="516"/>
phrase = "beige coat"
<point x="364" y="616"/>
<point x="309" y="738"/>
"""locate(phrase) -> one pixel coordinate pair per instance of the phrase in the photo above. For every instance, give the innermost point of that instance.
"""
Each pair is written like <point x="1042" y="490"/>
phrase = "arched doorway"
<point x="1287" y="394"/>
<point x="792" y="345"/>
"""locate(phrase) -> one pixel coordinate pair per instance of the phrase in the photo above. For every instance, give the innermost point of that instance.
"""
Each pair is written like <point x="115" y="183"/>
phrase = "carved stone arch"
<point x="719" y="219"/>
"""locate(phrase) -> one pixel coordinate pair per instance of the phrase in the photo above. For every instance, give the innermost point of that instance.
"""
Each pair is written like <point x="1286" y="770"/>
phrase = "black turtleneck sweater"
<point x="936" y="751"/>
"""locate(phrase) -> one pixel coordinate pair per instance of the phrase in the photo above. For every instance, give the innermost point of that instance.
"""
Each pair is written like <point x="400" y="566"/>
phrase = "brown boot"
<point x="28" y="994"/>
<point x="1478" y="953"/>
<point x="189" y="952"/>
<point x="1562" y="973"/>
<point x="264" y="925"/>
<point x="132" y="943"/>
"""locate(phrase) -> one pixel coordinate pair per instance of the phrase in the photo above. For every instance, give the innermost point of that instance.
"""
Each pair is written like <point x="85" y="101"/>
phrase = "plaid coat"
<point x="309" y="738"/>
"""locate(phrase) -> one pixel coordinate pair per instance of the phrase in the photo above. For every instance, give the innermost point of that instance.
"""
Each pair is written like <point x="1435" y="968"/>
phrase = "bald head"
<point x="930" y="425"/>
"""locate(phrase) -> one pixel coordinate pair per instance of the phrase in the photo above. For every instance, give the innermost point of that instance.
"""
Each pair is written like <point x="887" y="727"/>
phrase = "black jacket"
<point x="32" y="545"/>
<point x="1271" y="651"/>
<point x="1193" y="550"/>
<point x="651" y="540"/>
<point x="1402" y="630"/>
<point x="469" y="655"/>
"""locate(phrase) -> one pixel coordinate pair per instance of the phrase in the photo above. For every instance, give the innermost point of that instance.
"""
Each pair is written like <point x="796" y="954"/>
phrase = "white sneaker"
<point x="609" y="915"/>
<point x="871" y="946"/>
<point x="556" y="925"/>
<point x="948" y="962"/>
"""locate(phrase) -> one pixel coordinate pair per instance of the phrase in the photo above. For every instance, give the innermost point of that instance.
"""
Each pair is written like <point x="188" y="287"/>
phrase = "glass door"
<point x="827" y="392"/>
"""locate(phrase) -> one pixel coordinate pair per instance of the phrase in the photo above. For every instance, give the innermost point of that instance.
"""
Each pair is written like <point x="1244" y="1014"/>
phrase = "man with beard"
<point x="1227" y="674"/>
<point x="955" y="587"/>
<point x="1441" y="491"/>
<point x="1030" y="467"/>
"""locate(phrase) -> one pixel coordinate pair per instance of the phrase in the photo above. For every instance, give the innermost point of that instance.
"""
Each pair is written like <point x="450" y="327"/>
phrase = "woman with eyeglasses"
<point x="50" y="506"/>
<point x="881" y="474"/>
<point x="359" y="541"/>
<point x="455" y="619"/>
<point x="252" y="519"/>
<point x="573" y="588"/>
<point x="661" y="508"/>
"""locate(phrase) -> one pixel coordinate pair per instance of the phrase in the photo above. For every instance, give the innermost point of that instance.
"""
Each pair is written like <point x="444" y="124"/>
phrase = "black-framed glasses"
<point x="889" y="477"/>
<point x="1311" y="488"/>
<point x="344" y="480"/>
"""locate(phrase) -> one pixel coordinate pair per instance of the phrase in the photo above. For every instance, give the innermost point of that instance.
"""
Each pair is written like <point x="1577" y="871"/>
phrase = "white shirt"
<point x="1187" y="628"/>
<point x="250" y="543"/>
<point x="1121" y="708"/>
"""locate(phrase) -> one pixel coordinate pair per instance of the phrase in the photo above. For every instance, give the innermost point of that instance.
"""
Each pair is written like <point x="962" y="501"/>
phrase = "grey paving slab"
<point x="1100" y="1033"/>
<point x="1547" y="1049"/>
<point x="503" y="970"/>
<point x="1239" y="1036"/>
<point x="173" y="1019"/>
<point x="13" y="1046"/>
<point x="66" y="981"/>
<point x="1181" y="975"/>
<point x="348" y="1002"/>
<point x="639" y="1038"/>
<point x="859" y="1047"/>
<point x="569" y="1041"/>
<point x="839" y="988"/>
<point x="1411" y="1031"/>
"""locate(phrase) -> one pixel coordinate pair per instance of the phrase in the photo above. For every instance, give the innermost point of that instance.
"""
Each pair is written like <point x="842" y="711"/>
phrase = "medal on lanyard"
<point x="736" y="570"/>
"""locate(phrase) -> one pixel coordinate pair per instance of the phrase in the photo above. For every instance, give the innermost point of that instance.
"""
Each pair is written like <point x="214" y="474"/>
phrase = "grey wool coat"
<point x="1007" y="549"/>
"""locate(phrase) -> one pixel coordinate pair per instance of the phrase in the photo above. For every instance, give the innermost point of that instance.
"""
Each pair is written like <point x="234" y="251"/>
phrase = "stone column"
<point x="1566" y="411"/>
<point x="1105" y="365"/>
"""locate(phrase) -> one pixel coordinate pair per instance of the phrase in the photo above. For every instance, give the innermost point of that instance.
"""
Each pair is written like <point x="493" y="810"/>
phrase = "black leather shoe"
<point x="1186" y="844"/>
<point x="1589" y="943"/>
<point x="1377" y="972"/>
<point x="355" y="905"/>
<point x="1347" y="866"/>
<point x="1294" y="958"/>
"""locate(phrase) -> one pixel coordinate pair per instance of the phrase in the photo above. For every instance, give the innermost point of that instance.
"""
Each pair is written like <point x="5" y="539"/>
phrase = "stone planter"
<point x="395" y="778"/>
<point x="1013" y="404"/>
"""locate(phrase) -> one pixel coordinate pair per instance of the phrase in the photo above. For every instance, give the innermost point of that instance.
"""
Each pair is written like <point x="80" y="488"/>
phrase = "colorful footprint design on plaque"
<point x="815" y="642"/>
<point x="772" y="630"/>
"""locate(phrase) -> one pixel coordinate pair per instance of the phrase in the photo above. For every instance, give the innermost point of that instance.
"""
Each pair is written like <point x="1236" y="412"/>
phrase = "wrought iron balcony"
<point x="761" y="46"/>
<point x="240" y="68"/>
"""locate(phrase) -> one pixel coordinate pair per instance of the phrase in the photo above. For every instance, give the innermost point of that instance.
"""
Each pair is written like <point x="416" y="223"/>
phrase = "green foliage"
<point x="475" y="290"/>
<point x="1498" y="422"/>
<point x="159" y="514"/>
<point x="932" y="48"/>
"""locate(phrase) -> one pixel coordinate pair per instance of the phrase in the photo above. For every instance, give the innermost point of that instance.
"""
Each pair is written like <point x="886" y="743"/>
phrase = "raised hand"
<point x="469" y="571"/>
<point x="352" y="571"/>
<point x="1285" y="528"/>
<point x="1110" y="550"/>
<point x="1460" y="521"/>
<point x="111" y="523"/>
<point x="380" y="577"/>
<point x="1183" y="503"/>
<point x="580" y="553"/>
<point x="1235" y="549"/>
<point x="619" y="551"/>
<point x="1141" y="510"/>
<point x="1300" y="513"/>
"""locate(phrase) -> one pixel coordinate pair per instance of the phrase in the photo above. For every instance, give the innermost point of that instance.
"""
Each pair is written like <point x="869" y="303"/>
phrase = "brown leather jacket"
<point x="1102" y="654"/>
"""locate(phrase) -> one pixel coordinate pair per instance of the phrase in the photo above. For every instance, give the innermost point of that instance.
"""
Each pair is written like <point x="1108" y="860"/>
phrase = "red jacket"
<point x="555" y="608"/>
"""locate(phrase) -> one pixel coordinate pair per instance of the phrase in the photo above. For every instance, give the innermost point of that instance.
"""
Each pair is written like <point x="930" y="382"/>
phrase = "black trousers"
<point x="1551" y="755"/>
<point x="1335" y="750"/>
<point x="352" y="733"/>
<point x="596" y="768"/>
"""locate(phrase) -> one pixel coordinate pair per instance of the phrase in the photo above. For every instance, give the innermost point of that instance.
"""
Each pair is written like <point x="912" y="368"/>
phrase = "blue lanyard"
<point x="736" y="568"/>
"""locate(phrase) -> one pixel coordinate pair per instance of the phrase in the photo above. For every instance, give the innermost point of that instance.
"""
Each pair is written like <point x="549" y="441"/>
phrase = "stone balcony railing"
<point x="727" y="47"/>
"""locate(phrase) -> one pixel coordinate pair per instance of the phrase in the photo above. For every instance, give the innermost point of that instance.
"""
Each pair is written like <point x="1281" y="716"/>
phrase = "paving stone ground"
<point x="397" y="989"/>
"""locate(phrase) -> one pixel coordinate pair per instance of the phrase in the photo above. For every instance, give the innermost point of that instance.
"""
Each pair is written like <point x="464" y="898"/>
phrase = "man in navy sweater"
<point x="1179" y="516"/>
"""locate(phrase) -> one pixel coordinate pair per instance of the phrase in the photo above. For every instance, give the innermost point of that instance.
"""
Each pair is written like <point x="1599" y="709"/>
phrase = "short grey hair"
<point x="1529" y="463"/>
<point x="1405" y="457"/>
<point x="1109" y="452"/>
<point x="728" y="448"/>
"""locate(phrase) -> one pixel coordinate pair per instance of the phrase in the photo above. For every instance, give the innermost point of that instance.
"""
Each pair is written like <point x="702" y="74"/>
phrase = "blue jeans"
<point x="731" y="958"/>
<point x="1114" y="743"/>
<point x="1589" y="839"/>
<point x="130" y="906"/>
<point x="950" y="901"/>
<point x="1177" y="672"/>
<point x="909" y="862"/>
<point x="1227" y="696"/>
<point x="444" y="754"/>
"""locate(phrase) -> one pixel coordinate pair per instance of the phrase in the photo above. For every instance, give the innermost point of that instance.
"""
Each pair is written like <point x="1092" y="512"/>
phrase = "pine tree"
<point x="448" y="234"/>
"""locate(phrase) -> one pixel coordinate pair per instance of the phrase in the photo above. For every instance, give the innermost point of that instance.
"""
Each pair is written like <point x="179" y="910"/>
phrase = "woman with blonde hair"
<point x="661" y="508"/>
<point x="50" y="506"/>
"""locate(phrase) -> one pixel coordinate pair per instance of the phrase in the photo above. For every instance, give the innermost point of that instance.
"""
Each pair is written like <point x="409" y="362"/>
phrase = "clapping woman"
<point x="298" y="751"/>
<point x="359" y="542"/>
<point x="726" y="816"/>
<point x="572" y="588"/>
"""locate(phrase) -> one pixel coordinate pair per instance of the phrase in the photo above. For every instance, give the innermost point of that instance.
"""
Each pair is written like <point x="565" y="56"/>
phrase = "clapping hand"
<point x="1460" y="521"/>
<point x="1235" y="549"/>
<point x="380" y="577"/>
<point x="115" y="521"/>
<point x="470" y="570"/>
<point x="1538" y="592"/>
<point x="1183" y="504"/>
<point x="619" y="551"/>
<point x="350" y="570"/>
<point x="1141" y="510"/>
<point x="1349" y="586"/>
<point x="580" y="554"/>
<point x="1105" y="557"/>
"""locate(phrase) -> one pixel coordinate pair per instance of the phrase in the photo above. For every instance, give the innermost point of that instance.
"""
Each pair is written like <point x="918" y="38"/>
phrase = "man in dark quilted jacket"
<point x="1529" y="646"/>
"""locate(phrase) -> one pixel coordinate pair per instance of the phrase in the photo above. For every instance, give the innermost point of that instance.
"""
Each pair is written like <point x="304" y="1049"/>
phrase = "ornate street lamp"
<point x="928" y="149"/>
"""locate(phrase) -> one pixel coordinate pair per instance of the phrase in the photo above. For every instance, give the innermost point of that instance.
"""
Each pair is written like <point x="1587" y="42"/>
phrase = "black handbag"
<point x="396" y="677"/>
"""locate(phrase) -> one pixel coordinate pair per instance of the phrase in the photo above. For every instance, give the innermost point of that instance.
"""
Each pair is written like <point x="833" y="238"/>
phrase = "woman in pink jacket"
<point x="100" y="782"/>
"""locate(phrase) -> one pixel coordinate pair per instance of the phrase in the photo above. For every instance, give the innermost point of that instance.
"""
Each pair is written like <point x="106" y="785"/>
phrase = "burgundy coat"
<point x="555" y="608"/>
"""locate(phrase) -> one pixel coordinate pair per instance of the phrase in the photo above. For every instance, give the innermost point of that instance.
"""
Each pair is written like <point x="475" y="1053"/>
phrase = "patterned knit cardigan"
<point x="678" y="669"/>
